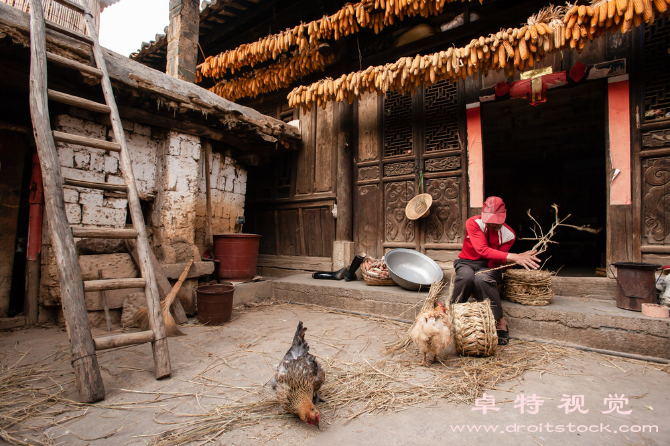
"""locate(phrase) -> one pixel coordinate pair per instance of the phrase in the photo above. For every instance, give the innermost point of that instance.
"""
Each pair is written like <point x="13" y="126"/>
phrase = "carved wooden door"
<point x="398" y="137"/>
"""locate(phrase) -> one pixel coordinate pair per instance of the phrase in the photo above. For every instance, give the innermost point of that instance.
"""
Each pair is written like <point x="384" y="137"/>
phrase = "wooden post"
<point x="160" y="344"/>
<point x="84" y="361"/>
<point x="36" y="200"/>
<point x="345" y="150"/>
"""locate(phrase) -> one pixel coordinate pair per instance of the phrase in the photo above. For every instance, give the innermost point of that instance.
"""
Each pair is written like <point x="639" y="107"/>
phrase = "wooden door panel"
<point x="304" y="183"/>
<point x="366" y="220"/>
<point x="326" y="141"/>
<point x="656" y="191"/>
<point x="368" y="134"/>
<point x="289" y="232"/>
<point x="443" y="225"/>
<point x="311" y="221"/>
<point x="398" y="227"/>
<point x="327" y="231"/>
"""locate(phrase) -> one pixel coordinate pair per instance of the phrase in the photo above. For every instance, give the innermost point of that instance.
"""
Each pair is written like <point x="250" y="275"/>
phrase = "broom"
<point x="141" y="318"/>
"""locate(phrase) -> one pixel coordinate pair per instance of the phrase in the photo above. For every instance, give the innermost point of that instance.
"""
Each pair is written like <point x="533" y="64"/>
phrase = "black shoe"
<point x="355" y="264"/>
<point x="335" y="275"/>
<point x="503" y="337"/>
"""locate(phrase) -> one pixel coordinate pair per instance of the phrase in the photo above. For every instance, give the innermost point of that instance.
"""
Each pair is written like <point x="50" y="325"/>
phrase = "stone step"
<point x="585" y="322"/>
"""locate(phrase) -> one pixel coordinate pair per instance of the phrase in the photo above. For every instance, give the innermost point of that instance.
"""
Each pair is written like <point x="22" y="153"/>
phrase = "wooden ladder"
<point x="84" y="347"/>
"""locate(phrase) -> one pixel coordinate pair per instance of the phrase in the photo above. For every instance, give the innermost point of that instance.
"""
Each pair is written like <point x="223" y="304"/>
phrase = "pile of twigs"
<point x="356" y="388"/>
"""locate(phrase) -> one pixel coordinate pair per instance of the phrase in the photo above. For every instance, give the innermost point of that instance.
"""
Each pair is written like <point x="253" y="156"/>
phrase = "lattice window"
<point x="657" y="68"/>
<point x="441" y="117"/>
<point x="397" y="124"/>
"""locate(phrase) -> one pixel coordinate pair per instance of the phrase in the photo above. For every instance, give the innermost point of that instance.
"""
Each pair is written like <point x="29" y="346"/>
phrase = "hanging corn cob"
<point x="373" y="14"/>
<point x="551" y="29"/>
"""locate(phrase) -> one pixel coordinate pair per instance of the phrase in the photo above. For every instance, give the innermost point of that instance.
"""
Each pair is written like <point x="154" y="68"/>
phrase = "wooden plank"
<point x="344" y="225"/>
<point x="13" y="148"/>
<point x="327" y="231"/>
<point x="325" y="151"/>
<point x="442" y="255"/>
<point x="84" y="361"/>
<point x="84" y="141"/>
<point x="77" y="101"/>
<point x="366" y="220"/>
<point x="64" y="61"/>
<point x="108" y="233"/>
<point x="654" y="152"/>
<point x="7" y="323"/>
<point x="296" y="262"/>
<point x="289" y="232"/>
<point x="123" y="339"/>
<point x="312" y="224"/>
<point x="305" y="165"/>
<point x="95" y="185"/>
<point x="113" y="284"/>
<point x="655" y="249"/>
<point x="368" y="146"/>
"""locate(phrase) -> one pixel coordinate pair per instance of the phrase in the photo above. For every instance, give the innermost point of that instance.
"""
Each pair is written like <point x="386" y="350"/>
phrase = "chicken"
<point x="298" y="379"/>
<point x="432" y="332"/>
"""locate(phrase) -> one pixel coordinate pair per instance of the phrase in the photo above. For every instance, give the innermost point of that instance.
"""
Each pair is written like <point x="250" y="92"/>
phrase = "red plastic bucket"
<point x="215" y="303"/>
<point x="237" y="255"/>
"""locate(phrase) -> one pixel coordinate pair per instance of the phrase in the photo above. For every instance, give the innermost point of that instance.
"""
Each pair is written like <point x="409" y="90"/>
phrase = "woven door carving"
<point x="397" y="124"/>
<point x="441" y="117"/>
<point x="398" y="227"/>
<point x="657" y="200"/>
<point x="444" y="221"/>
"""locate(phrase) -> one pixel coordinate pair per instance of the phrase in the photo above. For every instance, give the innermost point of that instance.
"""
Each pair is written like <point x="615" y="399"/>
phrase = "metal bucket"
<point x="215" y="303"/>
<point x="636" y="284"/>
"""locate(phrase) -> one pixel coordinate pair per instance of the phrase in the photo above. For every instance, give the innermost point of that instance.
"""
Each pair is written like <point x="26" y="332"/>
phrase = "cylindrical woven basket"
<point x="528" y="287"/>
<point x="474" y="329"/>
<point x="376" y="281"/>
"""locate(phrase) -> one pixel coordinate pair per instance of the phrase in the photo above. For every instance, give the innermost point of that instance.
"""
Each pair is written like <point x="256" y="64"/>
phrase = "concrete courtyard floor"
<point x="214" y="365"/>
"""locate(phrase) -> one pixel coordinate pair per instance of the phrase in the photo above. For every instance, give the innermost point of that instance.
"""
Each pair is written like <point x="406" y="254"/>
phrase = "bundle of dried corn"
<point x="374" y="14"/>
<point x="551" y="29"/>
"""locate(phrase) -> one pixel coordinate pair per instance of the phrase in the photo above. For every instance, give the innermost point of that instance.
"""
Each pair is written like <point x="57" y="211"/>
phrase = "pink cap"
<point x="494" y="211"/>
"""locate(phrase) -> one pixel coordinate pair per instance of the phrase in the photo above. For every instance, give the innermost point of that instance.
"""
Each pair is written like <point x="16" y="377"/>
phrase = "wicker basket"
<point x="376" y="281"/>
<point x="528" y="287"/>
<point x="474" y="329"/>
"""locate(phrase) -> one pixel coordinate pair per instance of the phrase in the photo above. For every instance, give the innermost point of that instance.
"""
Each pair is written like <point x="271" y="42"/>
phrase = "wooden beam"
<point x="84" y="361"/>
<point x="84" y="141"/>
<point x="64" y="61"/>
<point x="7" y="323"/>
<point x="77" y="101"/>
<point x="123" y="339"/>
<point x="109" y="233"/>
<point x="345" y="160"/>
<point x="95" y="185"/>
<point x="68" y="32"/>
<point x="654" y="152"/>
<point x="113" y="284"/>
<point x="655" y="249"/>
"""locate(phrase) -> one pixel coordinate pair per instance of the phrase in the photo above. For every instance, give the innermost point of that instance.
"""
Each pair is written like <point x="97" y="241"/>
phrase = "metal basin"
<point x="412" y="270"/>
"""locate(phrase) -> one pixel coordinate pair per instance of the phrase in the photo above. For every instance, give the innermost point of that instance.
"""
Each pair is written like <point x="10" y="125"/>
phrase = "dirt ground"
<point x="213" y="366"/>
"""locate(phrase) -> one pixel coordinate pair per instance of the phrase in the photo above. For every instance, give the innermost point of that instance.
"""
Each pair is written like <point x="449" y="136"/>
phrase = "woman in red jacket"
<point x="487" y="243"/>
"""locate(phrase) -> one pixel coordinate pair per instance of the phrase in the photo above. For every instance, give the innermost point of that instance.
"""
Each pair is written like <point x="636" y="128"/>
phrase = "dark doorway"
<point x="535" y="156"/>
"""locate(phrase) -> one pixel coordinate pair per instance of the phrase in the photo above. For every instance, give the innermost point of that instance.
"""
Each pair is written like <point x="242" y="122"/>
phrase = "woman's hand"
<point x="526" y="259"/>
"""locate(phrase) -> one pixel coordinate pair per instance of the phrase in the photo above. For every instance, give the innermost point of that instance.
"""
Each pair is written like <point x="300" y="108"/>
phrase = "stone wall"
<point x="228" y="182"/>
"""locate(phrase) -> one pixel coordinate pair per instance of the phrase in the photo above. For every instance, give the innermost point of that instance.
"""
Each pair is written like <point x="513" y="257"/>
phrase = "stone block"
<point x="343" y="254"/>
<point x="82" y="160"/>
<point x="73" y="212"/>
<point x="85" y="175"/>
<point x="111" y="165"/>
<point x="116" y="203"/>
<point x="97" y="161"/>
<point x="131" y="304"/>
<point x="100" y="216"/>
<point x="91" y="198"/>
<point x="66" y="155"/>
<point x="100" y="246"/>
<point x="113" y="179"/>
<point x="198" y="269"/>
<point x="70" y="195"/>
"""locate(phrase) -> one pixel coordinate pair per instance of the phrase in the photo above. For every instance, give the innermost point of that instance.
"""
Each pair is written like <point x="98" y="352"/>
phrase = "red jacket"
<point x="481" y="243"/>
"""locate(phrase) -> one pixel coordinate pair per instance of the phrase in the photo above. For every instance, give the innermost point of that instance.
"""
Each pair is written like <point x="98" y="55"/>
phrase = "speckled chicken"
<point x="298" y="379"/>
<point x="432" y="332"/>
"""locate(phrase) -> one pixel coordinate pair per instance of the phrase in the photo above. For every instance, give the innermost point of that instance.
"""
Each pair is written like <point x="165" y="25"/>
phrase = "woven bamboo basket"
<point x="375" y="281"/>
<point x="528" y="287"/>
<point x="474" y="329"/>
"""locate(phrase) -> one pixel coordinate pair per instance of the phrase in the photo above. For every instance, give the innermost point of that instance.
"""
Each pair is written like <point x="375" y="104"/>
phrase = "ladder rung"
<point x="104" y="233"/>
<point x="113" y="284"/>
<point x="68" y="32"/>
<point x="71" y="5"/>
<point x="94" y="185"/>
<point x="55" y="58"/>
<point x="78" y="102"/>
<point x="123" y="339"/>
<point x="88" y="142"/>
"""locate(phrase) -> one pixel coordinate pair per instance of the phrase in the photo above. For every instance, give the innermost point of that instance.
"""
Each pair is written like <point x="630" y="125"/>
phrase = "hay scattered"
<point x="388" y="385"/>
<point x="528" y="287"/>
<point x="474" y="328"/>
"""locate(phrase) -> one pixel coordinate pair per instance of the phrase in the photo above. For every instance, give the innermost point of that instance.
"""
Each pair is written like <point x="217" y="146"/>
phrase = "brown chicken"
<point x="432" y="332"/>
<point x="298" y="379"/>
